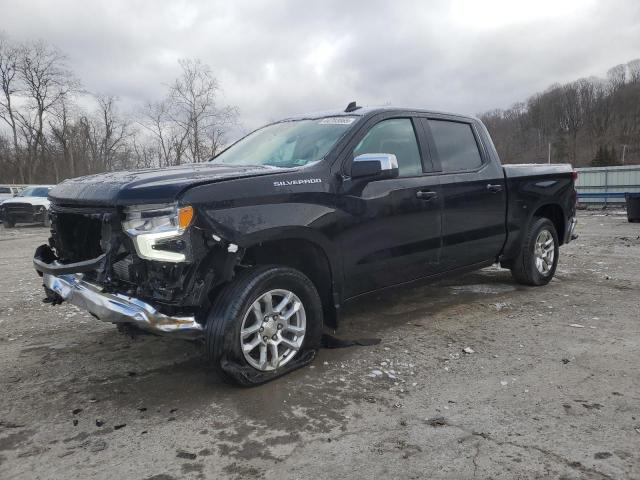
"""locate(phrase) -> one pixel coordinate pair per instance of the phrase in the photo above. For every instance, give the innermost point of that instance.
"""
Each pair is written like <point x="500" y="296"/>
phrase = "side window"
<point x="456" y="145"/>
<point x="394" y="136"/>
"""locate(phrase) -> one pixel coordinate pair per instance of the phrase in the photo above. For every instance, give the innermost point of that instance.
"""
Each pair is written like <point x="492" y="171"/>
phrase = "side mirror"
<point x="375" y="165"/>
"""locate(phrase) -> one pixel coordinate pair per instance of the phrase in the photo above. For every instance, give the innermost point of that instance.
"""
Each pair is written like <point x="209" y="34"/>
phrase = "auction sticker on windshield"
<point x="337" y="121"/>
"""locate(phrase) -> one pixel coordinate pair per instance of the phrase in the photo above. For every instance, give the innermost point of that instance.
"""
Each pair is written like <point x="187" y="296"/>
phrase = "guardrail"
<point x="607" y="185"/>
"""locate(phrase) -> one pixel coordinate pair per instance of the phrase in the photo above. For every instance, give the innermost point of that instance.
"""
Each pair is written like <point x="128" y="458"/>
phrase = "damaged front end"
<point x="152" y="266"/>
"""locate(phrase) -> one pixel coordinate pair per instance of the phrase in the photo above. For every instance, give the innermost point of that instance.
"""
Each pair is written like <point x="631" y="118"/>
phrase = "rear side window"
<point x="394" y="136"/>
<point x="5" y="190"/>
<point x="456" y="145"/>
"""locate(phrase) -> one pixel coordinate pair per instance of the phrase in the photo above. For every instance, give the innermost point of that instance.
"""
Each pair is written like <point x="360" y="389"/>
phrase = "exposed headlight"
<point x="157" y="218"/>
<point x="150" y="225"/>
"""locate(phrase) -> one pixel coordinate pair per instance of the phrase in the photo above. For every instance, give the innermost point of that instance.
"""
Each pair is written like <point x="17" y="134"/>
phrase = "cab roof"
<point x="370" y="111"/>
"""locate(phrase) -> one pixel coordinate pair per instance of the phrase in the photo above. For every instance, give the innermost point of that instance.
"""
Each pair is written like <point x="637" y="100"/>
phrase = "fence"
<point x="607" y="185"/>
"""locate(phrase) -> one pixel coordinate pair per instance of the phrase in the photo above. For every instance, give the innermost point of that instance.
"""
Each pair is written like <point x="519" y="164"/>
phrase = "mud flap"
<point x="248" y="376"/>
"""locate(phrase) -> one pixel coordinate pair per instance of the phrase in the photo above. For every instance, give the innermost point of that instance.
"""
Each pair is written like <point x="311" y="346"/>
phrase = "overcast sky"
<point x="276" y="58"/>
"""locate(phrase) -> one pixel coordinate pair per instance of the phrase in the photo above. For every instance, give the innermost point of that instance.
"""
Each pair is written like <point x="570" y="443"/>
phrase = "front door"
<point x="392" y="229"/>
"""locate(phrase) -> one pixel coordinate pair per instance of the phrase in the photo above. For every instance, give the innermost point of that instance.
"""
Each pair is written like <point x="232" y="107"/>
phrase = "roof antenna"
<point x="352" y="107"/>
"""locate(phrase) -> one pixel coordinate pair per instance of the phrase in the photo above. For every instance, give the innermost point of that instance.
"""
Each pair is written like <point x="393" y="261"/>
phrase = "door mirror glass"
<point x="375" y="165"/>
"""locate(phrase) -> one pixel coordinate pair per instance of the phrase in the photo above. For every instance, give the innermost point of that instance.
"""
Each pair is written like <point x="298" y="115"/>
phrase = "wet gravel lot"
<point x="551" y="388"/>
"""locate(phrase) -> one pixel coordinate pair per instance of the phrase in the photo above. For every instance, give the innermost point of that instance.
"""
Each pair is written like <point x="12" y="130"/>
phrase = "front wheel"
<point x="536" y="264"/>
<point x="265" y="323"/>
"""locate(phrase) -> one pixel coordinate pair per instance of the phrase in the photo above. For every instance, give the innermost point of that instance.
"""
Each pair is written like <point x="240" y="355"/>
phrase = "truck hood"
<point x="152" y="185"/>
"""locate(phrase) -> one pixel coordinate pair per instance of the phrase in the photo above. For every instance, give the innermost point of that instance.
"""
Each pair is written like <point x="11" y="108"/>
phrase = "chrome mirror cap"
<point x="375" y="165"/>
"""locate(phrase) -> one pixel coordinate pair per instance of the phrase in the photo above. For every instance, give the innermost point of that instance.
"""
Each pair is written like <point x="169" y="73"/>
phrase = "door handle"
<point x="426" y="195"/>
<point x="494" y="188"/>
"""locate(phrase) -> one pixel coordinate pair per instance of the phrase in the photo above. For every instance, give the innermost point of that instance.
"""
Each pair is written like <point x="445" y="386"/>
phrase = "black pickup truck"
<point x="256" y="251"/>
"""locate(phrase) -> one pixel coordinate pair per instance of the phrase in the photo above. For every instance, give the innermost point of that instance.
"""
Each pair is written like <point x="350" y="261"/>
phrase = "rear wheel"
<point x="265" y="323"/>
<point x="8" y="223"/>
<point x="536" y="264"/>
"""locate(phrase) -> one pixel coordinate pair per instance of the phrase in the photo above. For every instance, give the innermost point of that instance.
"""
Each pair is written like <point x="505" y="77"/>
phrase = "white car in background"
<point x="7" y="192"/>
<point x="30" y="206"/>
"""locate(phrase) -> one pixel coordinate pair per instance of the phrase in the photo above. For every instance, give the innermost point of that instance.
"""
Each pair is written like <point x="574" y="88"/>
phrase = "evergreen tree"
<point x="599" y="160"/>
<point x="605" y="157"/>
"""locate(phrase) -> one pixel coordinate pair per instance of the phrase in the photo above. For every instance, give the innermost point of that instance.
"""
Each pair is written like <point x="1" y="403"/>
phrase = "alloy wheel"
<point x="545" y="252"/>
<point x="273" y="330"/>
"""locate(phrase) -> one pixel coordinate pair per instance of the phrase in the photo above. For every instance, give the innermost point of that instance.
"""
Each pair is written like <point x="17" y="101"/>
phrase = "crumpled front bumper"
<point x="118" y="308"/>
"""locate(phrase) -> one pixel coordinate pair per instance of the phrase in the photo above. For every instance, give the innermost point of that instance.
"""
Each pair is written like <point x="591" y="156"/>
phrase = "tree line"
<point x="591" y="121"/>
<point x="48" y="133"/>
<point x="51" y="128"/>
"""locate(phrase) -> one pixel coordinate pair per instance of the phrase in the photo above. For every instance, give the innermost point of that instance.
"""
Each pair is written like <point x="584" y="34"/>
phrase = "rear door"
<point x="392" y="227"/>
<point x="473" y="191"/>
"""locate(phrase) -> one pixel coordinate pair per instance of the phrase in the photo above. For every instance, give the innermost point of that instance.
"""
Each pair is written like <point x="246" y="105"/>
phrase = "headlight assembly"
<point x="153" y="226"/>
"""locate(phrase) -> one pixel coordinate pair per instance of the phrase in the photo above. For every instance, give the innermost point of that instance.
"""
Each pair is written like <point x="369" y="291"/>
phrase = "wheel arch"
<point x="555" y="213"/>
<point x="307" y="255"/>
<point x="550" y="210"/>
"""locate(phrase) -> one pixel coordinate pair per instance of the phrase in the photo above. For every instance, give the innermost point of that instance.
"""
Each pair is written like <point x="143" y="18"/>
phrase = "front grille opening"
<point x="76" y="237"/>
<point x="18" y="209"/>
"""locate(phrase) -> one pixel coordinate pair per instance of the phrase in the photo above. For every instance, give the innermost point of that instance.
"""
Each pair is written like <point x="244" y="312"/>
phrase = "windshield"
<point x="35" y="192"/>
<point x="287" y="144"/>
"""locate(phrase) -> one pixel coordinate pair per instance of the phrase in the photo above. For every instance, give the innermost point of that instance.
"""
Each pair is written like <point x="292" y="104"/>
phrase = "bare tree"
<point x="145" y="154"/>
<point x="59" y="146"/>
<point x="47" y="81"/>
<point x="194" y="107"/>
<point x="9" y="58"/>
<point x="67" y="145"/>
<point x="170" y="137"/>
<point x="571" y="117"/>
<point x="617" y="76"/>
<point x="634" y="70"/>
<point x="46" y="136"/>
<point x="112" y="131"/>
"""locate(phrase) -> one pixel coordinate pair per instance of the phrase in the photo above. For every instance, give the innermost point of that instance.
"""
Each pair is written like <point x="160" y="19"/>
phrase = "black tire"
<point x="222" y="330"/>
<point x="524" y="268"/>
<point x="8" y="223"/>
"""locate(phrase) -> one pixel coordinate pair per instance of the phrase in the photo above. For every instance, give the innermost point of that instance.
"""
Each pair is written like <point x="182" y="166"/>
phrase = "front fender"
<point x="247" y="226"/>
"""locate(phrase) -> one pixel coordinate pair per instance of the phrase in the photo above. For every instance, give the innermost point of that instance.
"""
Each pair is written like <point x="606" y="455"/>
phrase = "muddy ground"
<point x="552" y="389"/>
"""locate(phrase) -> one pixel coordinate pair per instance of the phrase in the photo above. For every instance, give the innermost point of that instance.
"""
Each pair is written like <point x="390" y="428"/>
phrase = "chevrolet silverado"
<point x="257" y="250"/>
